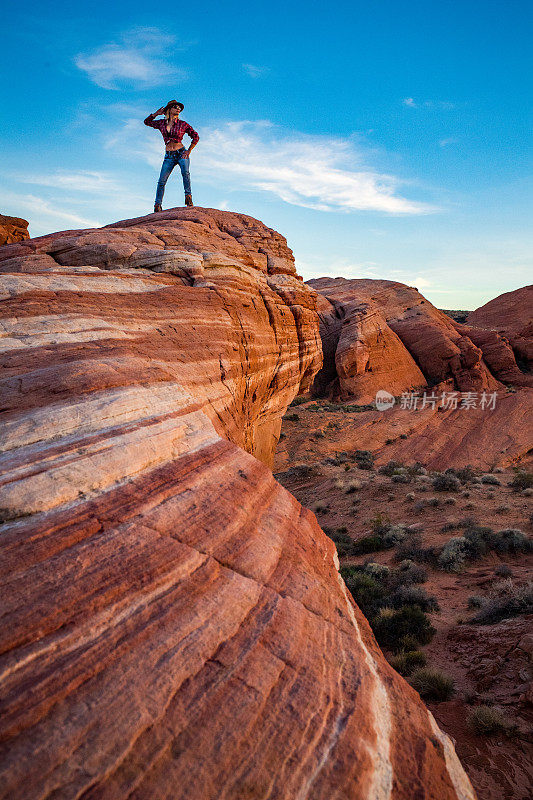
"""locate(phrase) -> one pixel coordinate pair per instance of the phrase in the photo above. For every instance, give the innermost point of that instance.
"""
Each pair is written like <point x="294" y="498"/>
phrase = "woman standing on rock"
<point x="172" y="129"/>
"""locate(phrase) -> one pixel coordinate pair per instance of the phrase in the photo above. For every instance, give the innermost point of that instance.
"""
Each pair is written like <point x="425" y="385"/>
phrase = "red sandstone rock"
<point x="13" y="229"/>
<point x="511" y="315"/>
<point x="174" y="625"/>
<point x="498" y="355"/>
<point x="392" y="332"/>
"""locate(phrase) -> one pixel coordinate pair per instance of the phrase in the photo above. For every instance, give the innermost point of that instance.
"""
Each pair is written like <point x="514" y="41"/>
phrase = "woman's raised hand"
<point x="159" y="111"/>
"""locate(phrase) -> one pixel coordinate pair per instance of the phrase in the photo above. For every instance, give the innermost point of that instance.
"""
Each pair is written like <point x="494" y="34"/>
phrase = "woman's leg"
<point x="184" y="166"/>
<point x="168" y="165"/>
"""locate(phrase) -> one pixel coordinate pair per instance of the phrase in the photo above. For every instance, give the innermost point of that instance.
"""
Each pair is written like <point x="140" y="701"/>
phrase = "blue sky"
<point x="383" y="139"/>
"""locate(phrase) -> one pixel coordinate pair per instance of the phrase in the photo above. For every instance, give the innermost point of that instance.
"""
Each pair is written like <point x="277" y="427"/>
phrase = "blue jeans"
<point x="169" y="162"/>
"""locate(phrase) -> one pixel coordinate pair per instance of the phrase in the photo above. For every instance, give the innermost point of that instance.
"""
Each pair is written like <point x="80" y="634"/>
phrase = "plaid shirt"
<point x="176" y="132"/>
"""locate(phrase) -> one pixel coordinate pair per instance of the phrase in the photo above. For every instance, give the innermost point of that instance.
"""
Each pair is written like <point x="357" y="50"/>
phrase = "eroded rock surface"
<point x="173" y="623"/>
<point x="511" y="316"/>
<point x="388" y="336"/>
<point x="13" y="229"/>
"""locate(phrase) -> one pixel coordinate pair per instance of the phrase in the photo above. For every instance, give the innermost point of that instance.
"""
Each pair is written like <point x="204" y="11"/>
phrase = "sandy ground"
<point x="487" y="662"/>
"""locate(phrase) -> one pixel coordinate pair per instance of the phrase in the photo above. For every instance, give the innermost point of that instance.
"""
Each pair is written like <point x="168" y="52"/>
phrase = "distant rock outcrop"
<point x="13" y="229"/>
<point x="385" y="335"/>
<point x="173" y="622"/>
<point x="510" y="315"/>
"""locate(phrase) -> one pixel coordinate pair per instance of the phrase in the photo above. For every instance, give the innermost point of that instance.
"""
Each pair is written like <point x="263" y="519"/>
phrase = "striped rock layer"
<point x="385" y="335"/>
<point x="509" y="317"/>
<point x="173" y="624"/>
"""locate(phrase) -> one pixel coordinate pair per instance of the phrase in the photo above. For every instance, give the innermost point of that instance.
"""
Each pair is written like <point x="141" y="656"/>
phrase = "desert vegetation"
<point x="505" y="599"/>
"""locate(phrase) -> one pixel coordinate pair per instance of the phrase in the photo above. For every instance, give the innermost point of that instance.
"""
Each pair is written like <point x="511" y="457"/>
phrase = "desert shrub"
<point x="364" y="459"/>
<point x="453" y="554"/>
<point x="411" y="549"/>
<point x="319" y="507"/>
<point x="393" y="535"/>
<point x="400" y="477"/>
<point x="299" y="400"/>
<point x="522" y="480"/>
<point x="475" y="601"/>
<point x="486" y="720"/>
<point x="465" y="474"/>
<point x="478" y="538"/>
<point x="505" y="599"/>
<point x="503" y="571"/>
<point x="369" y="544"/>
<point x="319" y="435"/>
<point x="432" y="684"/>
<point x="292" y="417"/>
<point x="450" y="501"/>
<point x="380" y="523"/>
<point x="410" y="496"/>
<point x="492" y="480"/>
<point x="409" y="573"/>
<point x="343" y="542"/>
<point x="446" y="482"/>
<point x="434" y="502"/>
<point x="407" y="643"/>
<point x="390" y="625"/>
<point x="388" y="469"/>
<point x="367" y="591"/>
<point x="451" y="525"/>
<point x="374" y="587"/>
<point x="403" y="436"/>
<point x="511" y="540"/>
<point x="407" y="661"/>
<point x="414" y="596"/>
<point x="419" y="506"/>
<point x="352" y="486"/>
<point x="379" y="571"/>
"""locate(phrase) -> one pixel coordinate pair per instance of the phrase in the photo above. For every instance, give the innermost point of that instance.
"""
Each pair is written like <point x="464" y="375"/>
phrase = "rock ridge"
<point x="175" y="625"/>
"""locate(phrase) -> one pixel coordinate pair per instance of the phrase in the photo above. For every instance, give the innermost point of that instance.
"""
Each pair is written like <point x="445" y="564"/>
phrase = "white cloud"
<point x="43" y="215"/>
<point x="311" y="171"/>
<point x="441" y="104"/>
<point x="141" y="57"/>
<point x="448" y="141"/>
<point x="82" y="181"/>
<point x="254" y="71"/>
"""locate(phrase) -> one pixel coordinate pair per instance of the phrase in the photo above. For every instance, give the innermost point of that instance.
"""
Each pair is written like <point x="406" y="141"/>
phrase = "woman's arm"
<point x="189" y="130"/>
<point x="150" y="118"/>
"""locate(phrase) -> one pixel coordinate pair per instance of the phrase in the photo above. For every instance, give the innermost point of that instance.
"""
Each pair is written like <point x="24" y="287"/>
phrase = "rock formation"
<point x="385" y="335"/>
<point x="174" y="625"/>
<point x="511" y="316"/>
<point x="13" y="229"/>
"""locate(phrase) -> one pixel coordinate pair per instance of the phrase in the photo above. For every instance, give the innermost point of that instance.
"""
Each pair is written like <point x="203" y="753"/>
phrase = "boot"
<point x="157" y="207"/>
<point x="188" y="200"/>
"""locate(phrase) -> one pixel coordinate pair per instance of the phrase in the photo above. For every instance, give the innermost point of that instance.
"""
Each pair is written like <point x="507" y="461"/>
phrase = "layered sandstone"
<point x="388" y="336"/>
<point x="174" y="625"/>
<point x="13" y="229"/>
<point x="511" y="316"/>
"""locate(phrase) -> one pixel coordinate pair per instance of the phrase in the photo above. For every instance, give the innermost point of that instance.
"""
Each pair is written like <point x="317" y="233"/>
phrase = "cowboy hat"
<point x="173" y="103"/>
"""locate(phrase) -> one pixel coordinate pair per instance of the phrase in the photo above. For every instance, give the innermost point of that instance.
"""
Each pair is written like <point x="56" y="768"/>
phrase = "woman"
<point x="172" y="129"/>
